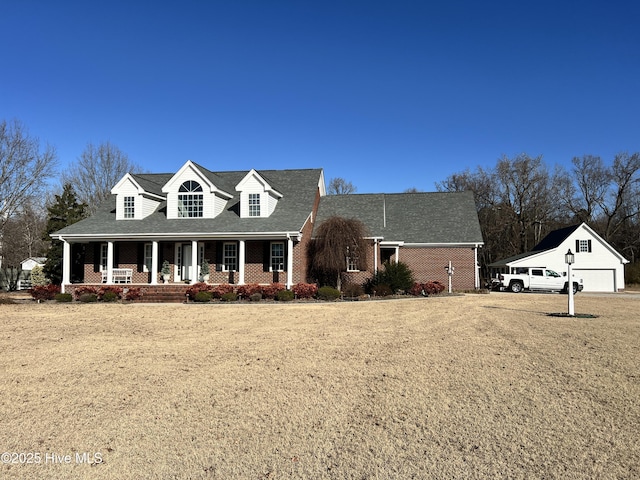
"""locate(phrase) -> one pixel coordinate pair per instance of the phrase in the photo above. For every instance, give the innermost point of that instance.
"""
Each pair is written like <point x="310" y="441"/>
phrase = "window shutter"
<point x="266" y="255"/>
<point x="140" y="258"/>
<point x="577" y="246"/>
<point x="96" y="257"/>
<point x="589" y="246"/>
<point x="286" y="255"/>
<point x="218" y="256"/>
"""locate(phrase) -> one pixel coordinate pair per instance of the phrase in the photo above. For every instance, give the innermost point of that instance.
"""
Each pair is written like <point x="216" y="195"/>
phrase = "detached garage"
<point x="599" y="265"/>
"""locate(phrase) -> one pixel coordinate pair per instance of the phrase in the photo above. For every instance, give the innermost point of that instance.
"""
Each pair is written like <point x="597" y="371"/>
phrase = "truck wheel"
<point x="516" y="287"/>
<point x="575" y="288"/>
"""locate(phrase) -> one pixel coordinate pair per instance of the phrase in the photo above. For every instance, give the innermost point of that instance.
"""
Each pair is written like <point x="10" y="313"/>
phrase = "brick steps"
<point x="164" y="294"/>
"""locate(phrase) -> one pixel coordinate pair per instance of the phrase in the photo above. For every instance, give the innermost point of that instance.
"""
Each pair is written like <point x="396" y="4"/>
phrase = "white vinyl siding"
<point x="127" y="191"/>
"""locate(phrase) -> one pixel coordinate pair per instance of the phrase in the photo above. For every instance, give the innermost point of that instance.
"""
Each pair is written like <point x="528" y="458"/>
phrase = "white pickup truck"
<point x="534" y="279"/>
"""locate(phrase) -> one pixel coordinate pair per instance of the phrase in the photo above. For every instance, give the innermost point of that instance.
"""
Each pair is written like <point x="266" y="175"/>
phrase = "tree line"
<point x="519" y="200"/>
<point x="32" y="207"/>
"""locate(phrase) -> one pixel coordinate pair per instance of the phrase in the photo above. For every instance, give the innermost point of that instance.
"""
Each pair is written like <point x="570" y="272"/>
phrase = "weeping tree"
<point x="337" y="243"/>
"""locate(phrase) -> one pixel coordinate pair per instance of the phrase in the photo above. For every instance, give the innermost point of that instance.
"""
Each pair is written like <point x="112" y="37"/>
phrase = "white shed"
<point x="599" y="265"/>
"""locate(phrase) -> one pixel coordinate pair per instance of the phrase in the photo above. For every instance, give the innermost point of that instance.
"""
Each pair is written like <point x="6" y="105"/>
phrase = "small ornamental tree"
<point x="337" y="242"/>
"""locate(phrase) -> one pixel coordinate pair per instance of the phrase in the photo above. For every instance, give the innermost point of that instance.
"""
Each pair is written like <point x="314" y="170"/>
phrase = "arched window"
<point x="189" y="200"/>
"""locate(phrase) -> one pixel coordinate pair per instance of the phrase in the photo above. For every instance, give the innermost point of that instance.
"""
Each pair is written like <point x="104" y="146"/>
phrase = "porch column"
<point x="109" y="262"/>
<point x="241" y="261"/>
<point x="289" y="262"/>
<point x="154" y="262"/>
<point x="195" y="272"/>
<point x="66" y="264"/>
<point x="375" y="255"/>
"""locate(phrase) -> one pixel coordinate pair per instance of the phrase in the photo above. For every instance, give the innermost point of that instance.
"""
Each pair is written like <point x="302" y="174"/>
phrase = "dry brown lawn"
<point x="472" y="386"/>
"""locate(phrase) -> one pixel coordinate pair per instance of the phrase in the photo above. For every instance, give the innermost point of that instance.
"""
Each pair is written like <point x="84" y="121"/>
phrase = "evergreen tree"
<point x="65" y="211"/>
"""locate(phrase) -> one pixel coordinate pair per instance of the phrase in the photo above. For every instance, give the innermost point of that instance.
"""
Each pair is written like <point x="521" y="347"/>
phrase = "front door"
<point x="186" y="269"/>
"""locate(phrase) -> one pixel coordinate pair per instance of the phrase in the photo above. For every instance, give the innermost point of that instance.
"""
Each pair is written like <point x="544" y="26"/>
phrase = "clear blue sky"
<point x="388" y="95"/>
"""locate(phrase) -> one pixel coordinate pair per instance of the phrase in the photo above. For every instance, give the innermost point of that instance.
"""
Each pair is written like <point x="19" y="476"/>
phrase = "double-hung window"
<point x="148" y="256"/>
<point x="104" y="249"/>
<point x="254" y="204"/>
<point x="190" y="200"/>
<point x="352" y="260"/>
<point x="277" y="256"/>
<point x="230" y="256"/>
<point x="129" y="207"/>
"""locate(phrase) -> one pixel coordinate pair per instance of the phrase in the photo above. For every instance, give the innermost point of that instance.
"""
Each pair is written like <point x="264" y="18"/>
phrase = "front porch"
<point x="140" y="263"/>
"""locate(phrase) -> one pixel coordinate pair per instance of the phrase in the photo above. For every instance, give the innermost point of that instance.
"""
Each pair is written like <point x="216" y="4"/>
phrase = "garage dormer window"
<point x="190" y="200"/>
<point x="583" y="246"/>
<point x="254" y="204"/>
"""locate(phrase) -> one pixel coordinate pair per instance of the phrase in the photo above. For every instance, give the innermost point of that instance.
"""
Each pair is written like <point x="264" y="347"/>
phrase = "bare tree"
<point x="339" y="186"/>
<point x="96" y="172"/>
<point x="591" y="182"/>
<point x="620" y="204"/>
<point x="24" y="168"/>
<point x="336" y="241"/>
<point x="22" y="238"/>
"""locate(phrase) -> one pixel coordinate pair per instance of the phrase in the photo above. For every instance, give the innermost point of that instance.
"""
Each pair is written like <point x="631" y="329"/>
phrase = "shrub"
<point x="417" y="290"/>
<point x="133" y="293"/>
<point x="428" y="288"/>
<point x="246" y="291"/>
<point x="220" y="290"/>
<point x="396" y="275"/>
<point x="38" y="278"/>
<point x="271" y="291"/>
<point x="63" y="297"/>
<point x="256" y="297"/>
<point x="196" y="288"/>
<point x="110" y="291"/>
<point x="433" y="288"/>
<point x="382" y="290"/>
<point x="45" y="292"/>
<point x="285" y="295"/>
<point x="88" y="298"/>
<point x="229" y="297"/>
<point x="203" y="297"/>
<point x="305" y="290"/>
<point x="109" y="296"/>
<point x="84" y="289"/>
<point x="328" y="293"/>
<point x="352" y="290"/>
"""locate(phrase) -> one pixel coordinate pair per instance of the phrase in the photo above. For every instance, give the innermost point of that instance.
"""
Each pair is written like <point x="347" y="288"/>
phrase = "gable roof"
<point x="553" y="240"/>
<point x="413" y="218"/>
<point x="298" y="187"/>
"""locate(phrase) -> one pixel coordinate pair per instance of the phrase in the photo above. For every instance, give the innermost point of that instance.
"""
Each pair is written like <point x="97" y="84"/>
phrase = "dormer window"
<point x="254" y="204"/>
<point x="190" y="200"/>
<point x="129" y="207"/>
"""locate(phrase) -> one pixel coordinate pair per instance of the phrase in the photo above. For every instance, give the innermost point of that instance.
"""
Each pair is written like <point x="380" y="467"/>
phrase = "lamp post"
<point x="569" y="258"/>
<point x="449" y="269"/>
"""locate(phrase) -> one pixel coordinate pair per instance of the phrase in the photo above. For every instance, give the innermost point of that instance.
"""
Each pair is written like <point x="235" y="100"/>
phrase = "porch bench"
<point x="120" y="275"/>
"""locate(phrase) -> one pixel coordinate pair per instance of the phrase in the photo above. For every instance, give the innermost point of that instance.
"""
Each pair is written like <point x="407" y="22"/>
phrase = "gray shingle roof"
<point x="298" y="187"/>
<point x="436" y="217"/>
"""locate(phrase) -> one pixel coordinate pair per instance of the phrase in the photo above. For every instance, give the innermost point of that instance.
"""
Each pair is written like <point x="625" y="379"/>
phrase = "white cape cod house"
<point x="599" y="265"/>
<point x="254" y="227"/>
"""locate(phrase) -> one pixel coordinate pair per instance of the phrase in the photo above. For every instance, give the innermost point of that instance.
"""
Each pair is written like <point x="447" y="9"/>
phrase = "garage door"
<point x="597" y="280"/>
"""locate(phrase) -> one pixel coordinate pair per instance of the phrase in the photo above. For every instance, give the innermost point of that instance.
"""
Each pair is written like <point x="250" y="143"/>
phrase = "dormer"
<point x="192" y="194"/>
<point x="133" y="202"/>
<point x="257" y="197"/>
